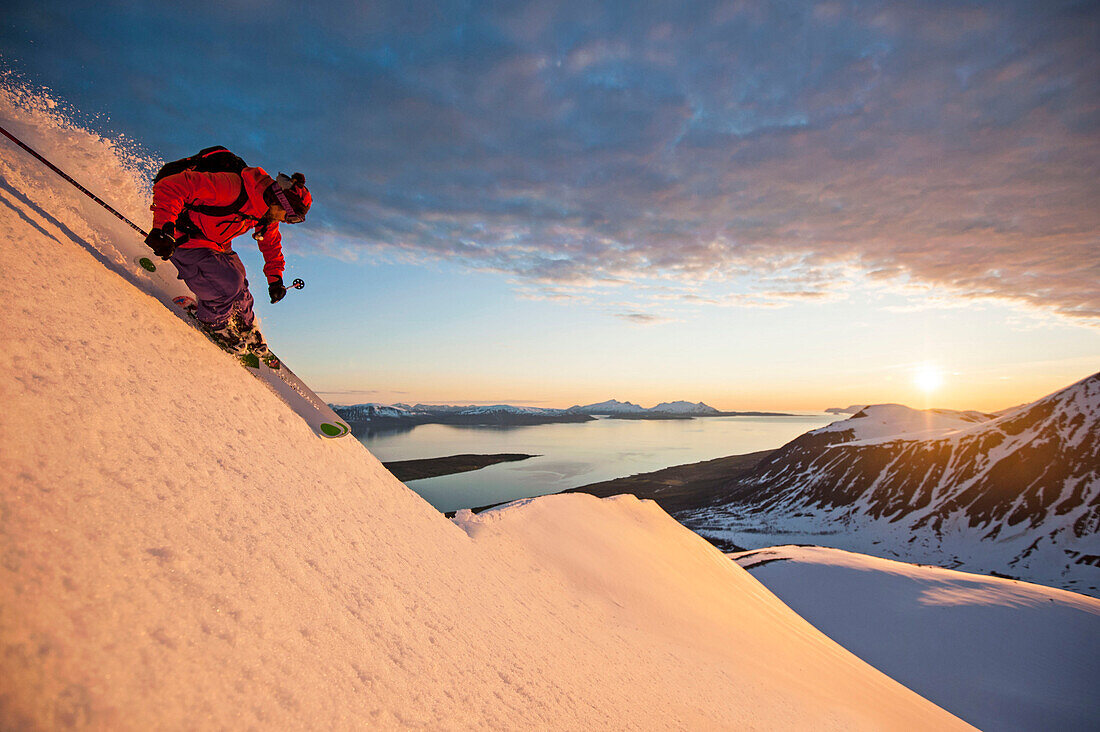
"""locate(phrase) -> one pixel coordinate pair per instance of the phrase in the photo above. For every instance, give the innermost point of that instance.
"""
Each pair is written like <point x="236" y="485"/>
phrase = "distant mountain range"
<point x="405" y="411"/>
<point x="509" y="414"/>
<point x="388" y="416"/>
<point x="1017" y="492"/>
<point x="615" y="407"/>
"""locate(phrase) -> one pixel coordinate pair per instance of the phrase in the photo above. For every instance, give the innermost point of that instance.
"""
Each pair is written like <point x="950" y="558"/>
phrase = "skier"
<point x="196" y="215"/>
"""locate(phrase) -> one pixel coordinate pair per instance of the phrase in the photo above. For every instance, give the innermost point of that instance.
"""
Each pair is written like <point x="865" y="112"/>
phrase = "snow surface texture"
<point x="1003" y="655"/>
<point x="177" y="549"/>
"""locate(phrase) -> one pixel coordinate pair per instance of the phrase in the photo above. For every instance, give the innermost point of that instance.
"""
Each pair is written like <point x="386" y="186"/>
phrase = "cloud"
<point x="770" y="149"/>
<point x="638" y="318"/>
<point x="954" y="147"/>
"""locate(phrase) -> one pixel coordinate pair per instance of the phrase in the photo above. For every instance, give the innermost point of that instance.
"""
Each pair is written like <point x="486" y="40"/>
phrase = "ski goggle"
<point x="282" y="184"/>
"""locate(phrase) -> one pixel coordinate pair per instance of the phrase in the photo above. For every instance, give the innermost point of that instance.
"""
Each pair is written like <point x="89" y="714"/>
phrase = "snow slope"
<point x="1003" y="655"/>
<point x="177" y="549"/>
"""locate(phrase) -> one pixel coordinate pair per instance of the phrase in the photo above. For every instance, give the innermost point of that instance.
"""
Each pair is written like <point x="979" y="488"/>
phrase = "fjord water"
<point x="576" y="454"/>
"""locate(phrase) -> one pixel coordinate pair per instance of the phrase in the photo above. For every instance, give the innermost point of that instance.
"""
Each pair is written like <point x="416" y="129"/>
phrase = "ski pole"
<point x="69" y="178"/>
<point x="297" y="284"/>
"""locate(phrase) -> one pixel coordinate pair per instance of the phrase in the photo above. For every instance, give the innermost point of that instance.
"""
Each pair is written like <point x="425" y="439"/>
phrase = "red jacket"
<point x="173" y="193"/>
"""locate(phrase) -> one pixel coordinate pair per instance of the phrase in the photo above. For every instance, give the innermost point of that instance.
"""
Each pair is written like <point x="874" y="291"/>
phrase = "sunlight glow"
<point x="928" y="377"/>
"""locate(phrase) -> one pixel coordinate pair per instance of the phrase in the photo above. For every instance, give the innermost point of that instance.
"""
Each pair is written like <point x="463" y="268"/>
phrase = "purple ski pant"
<point x="219" y="283"/>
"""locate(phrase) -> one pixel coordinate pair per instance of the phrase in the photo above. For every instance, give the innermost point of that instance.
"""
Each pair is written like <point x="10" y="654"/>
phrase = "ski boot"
<point x="224" y="336"/>
<point x="253" y="345"/>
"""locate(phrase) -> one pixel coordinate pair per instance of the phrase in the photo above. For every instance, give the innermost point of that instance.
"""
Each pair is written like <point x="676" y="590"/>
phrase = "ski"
<point x="267" y="367"/>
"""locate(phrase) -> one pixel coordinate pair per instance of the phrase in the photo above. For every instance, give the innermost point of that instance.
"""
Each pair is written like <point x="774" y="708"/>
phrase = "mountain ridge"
<point x="1017" y="493"/>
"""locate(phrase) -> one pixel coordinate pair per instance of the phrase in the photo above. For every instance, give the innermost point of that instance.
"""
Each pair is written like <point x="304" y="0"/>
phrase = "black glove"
<point x="277" y="290"/>
<point x="161" y="241"/>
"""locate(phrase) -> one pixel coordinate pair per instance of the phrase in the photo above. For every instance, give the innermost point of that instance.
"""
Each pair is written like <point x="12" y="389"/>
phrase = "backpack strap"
<point x="185" y="225"/>
<point x="228" y="210"/>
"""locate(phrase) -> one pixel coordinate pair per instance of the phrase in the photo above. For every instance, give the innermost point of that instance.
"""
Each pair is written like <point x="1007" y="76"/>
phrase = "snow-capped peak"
<point x="611" y="406"/>
<point x="614" y="406"/>
<point x="682" y="407"/>
<point x="895" y="421"/>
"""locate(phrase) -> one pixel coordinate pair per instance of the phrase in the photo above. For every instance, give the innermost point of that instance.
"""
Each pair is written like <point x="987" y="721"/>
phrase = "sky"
<point x="758" y="205"/>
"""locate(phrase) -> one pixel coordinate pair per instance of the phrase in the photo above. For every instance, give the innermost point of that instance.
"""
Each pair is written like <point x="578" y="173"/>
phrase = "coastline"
<point x="687" y="415"/>
<point x="388" y="423"/>
<point x="409" y="470"/>
<point x="680" y="487"/>
<point x="674" y="489"/>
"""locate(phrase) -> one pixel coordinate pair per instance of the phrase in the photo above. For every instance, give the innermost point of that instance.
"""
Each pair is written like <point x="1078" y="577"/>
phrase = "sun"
<point x="928" y="377"/>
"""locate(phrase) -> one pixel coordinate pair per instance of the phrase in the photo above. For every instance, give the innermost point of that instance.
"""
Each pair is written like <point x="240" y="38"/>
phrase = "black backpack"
<point x="215" y="159"/>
